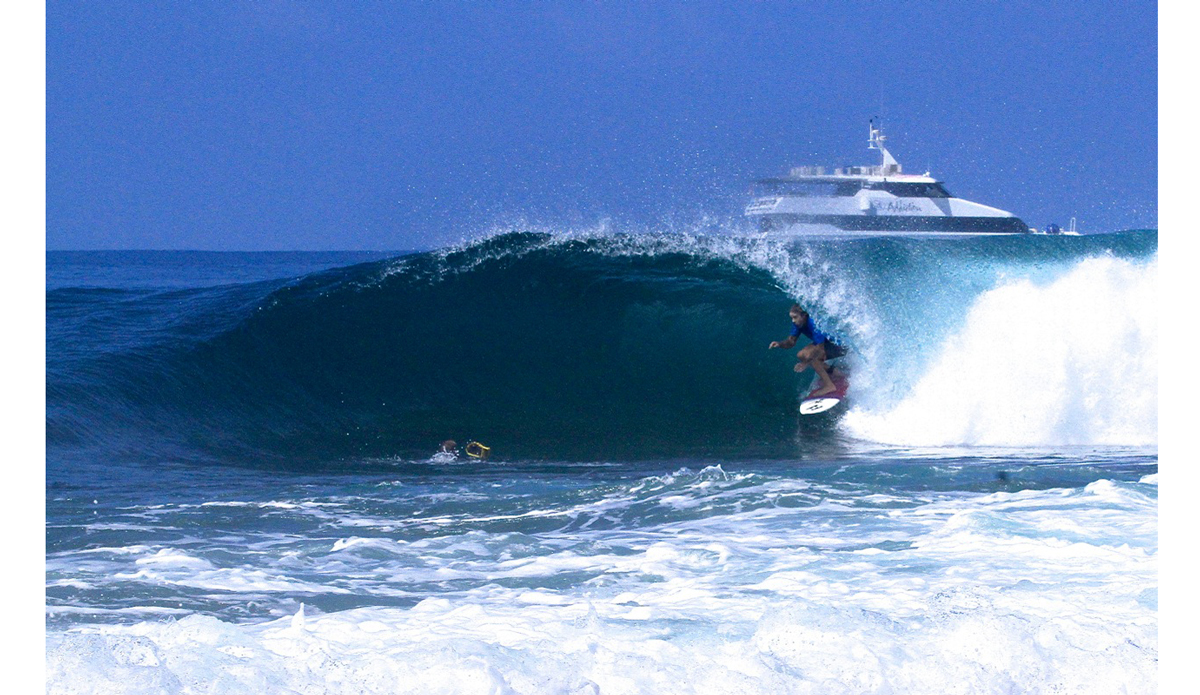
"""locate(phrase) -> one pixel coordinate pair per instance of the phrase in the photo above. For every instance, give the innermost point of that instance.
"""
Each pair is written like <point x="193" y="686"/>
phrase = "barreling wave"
<point x="561" y="347"/>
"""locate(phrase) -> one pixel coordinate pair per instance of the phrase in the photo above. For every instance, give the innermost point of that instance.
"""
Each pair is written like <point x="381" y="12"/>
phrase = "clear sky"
<point x="275" y="124"/>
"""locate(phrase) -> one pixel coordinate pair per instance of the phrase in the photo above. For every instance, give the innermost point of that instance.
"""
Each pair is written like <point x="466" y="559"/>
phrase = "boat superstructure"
<point x="876" y="200"/>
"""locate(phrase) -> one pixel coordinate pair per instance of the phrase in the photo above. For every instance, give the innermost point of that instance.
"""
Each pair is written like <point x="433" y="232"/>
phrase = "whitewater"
<point x="243" y="493"/>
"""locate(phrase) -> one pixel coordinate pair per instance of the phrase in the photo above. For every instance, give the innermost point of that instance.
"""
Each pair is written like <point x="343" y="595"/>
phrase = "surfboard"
<point x="811" y="405"/>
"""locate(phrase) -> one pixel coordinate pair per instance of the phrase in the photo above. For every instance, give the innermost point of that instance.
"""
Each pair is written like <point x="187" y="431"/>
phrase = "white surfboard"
<point x="811" y="405"/>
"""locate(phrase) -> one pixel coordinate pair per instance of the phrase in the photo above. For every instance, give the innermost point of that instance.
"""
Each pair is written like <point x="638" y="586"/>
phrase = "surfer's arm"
<point x="786" y="343"/>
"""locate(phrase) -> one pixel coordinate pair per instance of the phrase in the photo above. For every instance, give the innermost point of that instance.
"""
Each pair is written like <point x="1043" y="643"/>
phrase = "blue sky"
<point x="263" y="125"/>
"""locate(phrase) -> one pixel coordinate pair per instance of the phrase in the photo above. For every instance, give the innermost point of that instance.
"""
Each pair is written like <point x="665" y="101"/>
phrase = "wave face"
<point x="596" y="347"/>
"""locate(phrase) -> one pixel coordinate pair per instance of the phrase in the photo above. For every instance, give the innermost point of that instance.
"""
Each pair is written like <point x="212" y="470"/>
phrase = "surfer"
<point x="814" y="355"/>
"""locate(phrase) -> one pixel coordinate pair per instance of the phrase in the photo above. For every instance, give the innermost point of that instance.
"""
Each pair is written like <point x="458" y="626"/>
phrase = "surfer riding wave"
<point x="816" y="354"/>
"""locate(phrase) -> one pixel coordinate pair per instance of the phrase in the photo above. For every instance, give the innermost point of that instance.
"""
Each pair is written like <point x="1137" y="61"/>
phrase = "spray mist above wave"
<point x="1073" y="361"/>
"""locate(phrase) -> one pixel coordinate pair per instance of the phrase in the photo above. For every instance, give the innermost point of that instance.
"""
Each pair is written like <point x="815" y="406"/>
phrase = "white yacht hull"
<point x="862" y="216"/>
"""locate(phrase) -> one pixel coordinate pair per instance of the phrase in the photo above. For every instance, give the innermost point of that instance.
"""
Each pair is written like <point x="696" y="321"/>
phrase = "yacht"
<point x="871" y="201"/>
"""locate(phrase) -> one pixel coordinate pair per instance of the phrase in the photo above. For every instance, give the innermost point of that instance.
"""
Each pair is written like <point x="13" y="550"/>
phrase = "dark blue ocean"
<point x="245" y="495"/>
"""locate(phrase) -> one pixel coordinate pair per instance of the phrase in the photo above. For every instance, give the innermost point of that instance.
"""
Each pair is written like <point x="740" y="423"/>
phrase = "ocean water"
<point x="243" y="494"/>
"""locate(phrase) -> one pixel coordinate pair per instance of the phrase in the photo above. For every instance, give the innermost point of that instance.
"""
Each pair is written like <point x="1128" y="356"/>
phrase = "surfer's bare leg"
<point x="814" y="356"/>
<point x="827" y="385"/>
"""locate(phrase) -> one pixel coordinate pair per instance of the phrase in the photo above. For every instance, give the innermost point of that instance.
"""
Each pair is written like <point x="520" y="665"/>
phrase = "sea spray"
<point x="1069" y="361"/>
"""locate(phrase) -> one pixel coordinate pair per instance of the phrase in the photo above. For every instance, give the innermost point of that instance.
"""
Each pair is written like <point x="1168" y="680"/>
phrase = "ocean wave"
<point x="589" y="347"/>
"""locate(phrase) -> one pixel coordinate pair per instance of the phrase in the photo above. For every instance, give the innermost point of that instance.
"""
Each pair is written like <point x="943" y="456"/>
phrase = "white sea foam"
<point x="1074" y="361"/>
<point x="1026" y="591"/>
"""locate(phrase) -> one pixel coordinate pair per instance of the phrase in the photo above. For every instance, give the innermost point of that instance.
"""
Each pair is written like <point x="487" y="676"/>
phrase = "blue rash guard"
<point x="809" y="330"/>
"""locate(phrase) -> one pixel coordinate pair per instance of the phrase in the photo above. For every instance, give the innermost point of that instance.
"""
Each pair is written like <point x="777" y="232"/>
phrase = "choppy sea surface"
<point x="243" y="493"/>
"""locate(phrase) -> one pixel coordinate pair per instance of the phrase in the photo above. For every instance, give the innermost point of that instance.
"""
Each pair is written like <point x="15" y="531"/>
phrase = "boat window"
<point x="915" y="190"/>
<point x="821" y="189"/>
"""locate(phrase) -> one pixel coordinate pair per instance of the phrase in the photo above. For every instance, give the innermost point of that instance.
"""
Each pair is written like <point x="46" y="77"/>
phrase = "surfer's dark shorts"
<point x="833" y="350"/>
